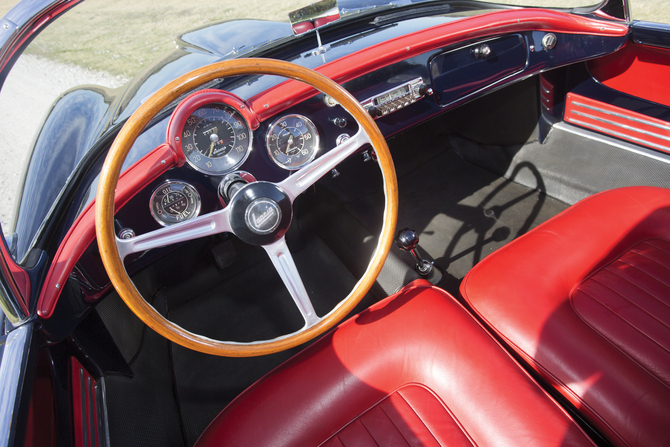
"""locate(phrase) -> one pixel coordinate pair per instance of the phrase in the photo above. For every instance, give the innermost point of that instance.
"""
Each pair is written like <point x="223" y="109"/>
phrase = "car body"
<point x="538" y="109"/>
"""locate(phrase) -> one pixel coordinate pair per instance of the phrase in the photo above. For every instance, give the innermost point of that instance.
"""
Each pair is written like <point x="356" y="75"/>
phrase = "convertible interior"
<point x="482" y="201"/>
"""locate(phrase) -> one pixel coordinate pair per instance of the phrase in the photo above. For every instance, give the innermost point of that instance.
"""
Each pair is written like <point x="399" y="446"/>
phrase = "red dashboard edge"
<point x="282" y="96"/>
<point x="82" y="232"/>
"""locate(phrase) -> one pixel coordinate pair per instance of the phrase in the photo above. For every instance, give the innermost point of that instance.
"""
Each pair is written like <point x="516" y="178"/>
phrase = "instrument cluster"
<point x="214" y="130"/>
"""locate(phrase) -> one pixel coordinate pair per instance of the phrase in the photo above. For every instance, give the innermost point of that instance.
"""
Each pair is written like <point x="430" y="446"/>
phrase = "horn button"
<point x="260" y="213"/>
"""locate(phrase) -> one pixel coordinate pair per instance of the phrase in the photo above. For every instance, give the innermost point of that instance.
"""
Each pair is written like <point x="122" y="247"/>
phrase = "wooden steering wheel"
<point x="232" y="218"/>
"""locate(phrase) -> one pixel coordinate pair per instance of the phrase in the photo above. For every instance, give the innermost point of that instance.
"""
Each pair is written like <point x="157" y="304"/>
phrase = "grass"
<point x="122" y="36"/>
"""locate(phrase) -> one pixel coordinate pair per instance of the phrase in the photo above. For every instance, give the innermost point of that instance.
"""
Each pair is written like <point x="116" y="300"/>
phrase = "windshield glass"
<point x="109" y="43"/>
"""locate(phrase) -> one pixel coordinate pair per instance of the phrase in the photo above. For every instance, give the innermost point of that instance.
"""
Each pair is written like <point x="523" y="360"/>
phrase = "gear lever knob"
<point x="407" y="240"/>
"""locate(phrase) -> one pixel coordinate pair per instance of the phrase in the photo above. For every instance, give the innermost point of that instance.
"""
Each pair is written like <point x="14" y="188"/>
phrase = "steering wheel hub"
<point x="260" y="213"/>
<point x="263" y="216"/>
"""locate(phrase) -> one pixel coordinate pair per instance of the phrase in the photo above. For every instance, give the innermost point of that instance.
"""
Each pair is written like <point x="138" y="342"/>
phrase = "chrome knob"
<point x="549" y="41"/>
<point x="482" y="51"/>
<point x="407" y="240"/>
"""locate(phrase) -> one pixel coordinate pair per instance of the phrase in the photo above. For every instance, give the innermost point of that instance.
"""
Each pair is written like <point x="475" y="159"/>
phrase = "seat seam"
<point x="419" y="417"/>
<point x="360" y="421"/>
<point x="624" y="320"/>
<point x="600" y="266"/>
<point x="626" y="299"/>
<point x="649" y="241"/>
<point x="652" y="260"/>
<point x="644" y="368"/>
<point x="355" y="418"/>
<point x="396" y="427"/>
<point x="449" y="412"/>
<point x="614" y="272"/>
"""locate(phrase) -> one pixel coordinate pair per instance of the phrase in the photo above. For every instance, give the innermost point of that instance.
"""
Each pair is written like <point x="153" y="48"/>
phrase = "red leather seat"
<point x="415" y="369"/>
<point x="585" y="300"/>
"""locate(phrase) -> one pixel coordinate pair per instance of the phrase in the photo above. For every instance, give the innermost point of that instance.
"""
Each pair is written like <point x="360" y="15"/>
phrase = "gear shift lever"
<point x="407" y="240"/>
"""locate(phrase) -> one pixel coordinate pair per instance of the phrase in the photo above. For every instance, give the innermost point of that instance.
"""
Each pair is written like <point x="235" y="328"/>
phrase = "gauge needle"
<point x="290" y="142"/>
<point x="213" y="137"/>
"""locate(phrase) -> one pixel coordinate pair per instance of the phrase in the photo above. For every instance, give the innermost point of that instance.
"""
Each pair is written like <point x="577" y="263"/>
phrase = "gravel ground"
<point x="31" y="88"/>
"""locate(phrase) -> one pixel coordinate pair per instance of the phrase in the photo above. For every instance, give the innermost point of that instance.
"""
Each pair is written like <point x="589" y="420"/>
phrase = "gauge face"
<point x="173" y="202"/>
<point x="216" y="139"/>
<point x="292" y="141"/>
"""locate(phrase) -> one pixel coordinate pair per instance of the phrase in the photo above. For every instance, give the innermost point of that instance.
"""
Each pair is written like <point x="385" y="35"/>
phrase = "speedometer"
<point x="292" y="141"/>
<point x="216" y="139"/>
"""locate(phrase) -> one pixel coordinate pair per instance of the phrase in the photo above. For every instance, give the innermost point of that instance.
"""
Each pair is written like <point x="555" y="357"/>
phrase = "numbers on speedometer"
<point x="216" y="139"/>
<point x="292" y="141"/>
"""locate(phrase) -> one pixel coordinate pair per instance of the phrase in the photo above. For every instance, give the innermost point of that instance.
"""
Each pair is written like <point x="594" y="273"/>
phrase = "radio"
<point x="396" y="98"/>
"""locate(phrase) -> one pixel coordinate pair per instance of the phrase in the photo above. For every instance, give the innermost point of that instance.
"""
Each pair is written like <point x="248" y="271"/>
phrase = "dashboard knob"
<point x="482" y="51"/>
<point x="425" y="90"/>
<point x="549" y="41"/>
<point x="374" y="111"/>
<point x="339" y="121"/>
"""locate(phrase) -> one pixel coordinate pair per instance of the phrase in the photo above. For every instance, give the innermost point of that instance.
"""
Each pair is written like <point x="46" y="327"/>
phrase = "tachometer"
<point x="216" y="139"/>
<point x="174" y="202"/>
<point x="292" y="141"/>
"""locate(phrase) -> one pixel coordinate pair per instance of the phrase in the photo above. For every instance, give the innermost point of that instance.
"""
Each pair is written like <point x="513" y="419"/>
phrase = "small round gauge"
<point x="216" y="139"/>
<point x="173" y="202"/>
<point x="292" y="141"/>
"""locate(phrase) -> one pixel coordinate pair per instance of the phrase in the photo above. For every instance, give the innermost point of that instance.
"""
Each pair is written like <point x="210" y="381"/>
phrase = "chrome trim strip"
<point x="90" y="418"/>
<point x="623" y="115"/>
<point x="11" y="300"/>
<point x="623" y="126"/>
<point x="12" y="367"/>
<point x="620" y="135"/>
<point x="84" y="411"/>
<point x="103" y="418"/>
<point x="585" y="133"/>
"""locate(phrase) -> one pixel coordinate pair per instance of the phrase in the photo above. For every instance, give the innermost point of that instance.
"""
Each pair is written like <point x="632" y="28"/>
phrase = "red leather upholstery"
<point x="325" y="20"/>
<point x="303" y="27"/>
<point x="415" y="369"/>
<point x="584" y="298"/>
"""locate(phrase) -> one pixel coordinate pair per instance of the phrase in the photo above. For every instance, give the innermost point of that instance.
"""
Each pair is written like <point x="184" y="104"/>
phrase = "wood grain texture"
<point x="104" y="213"/>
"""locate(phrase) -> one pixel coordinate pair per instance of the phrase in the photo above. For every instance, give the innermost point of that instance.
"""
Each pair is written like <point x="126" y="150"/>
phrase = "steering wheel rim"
<point x="104" y="212"/>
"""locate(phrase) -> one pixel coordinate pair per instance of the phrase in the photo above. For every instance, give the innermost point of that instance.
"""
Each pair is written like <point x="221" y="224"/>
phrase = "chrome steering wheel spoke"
<point x="206" y="225"/>
<point x="302" y="179"/>
<point x="283" y="261"/>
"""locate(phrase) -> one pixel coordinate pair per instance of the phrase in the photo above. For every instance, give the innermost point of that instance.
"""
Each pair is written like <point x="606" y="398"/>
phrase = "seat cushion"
<point x="415" y="369"/>
<point x="584" y="299"/>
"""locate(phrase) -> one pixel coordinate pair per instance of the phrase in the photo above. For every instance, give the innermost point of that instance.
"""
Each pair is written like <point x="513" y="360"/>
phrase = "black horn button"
<point x="260" y="213"/>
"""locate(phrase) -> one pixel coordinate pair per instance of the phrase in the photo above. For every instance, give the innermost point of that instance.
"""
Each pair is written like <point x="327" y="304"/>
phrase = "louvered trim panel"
<point x="89" y="426"/>
<point x="617" y="122"/>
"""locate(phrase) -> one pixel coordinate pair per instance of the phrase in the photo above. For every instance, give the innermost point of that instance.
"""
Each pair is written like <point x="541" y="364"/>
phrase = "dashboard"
<point x="189" y="162"/>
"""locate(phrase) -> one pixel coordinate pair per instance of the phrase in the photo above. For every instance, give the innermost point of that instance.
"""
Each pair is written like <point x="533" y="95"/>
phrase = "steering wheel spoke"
<point x="302" y="179"/>
<point x="283" y="261"/>
<point x="207" y="225"/>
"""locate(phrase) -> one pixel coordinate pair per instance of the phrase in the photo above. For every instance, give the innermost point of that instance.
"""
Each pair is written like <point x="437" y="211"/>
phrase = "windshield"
<point x="350" y="6"/>
<point x="88" y="46"/>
